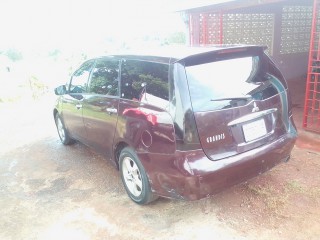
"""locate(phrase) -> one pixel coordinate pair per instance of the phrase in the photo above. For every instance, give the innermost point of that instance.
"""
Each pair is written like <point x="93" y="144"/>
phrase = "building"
<point x="289" y="28"/>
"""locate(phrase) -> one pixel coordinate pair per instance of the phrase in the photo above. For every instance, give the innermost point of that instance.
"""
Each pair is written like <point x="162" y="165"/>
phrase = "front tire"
<point x="63" y="133"/>
<point x="134" y="178"/>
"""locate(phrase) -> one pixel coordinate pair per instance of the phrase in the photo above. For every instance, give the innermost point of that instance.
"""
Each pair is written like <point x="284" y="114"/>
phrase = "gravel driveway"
<point x="51" y="191"/>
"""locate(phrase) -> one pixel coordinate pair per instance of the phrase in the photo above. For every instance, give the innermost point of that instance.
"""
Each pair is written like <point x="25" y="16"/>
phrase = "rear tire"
<point x="134" y="178"/>
<point x="62" y="131"/>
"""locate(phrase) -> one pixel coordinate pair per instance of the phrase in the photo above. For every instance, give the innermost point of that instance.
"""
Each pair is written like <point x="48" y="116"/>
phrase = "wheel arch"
<point x="117" y="150"/>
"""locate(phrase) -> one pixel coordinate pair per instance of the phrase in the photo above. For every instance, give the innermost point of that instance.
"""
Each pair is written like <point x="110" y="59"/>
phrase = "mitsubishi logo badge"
<point x="255" y="108"/>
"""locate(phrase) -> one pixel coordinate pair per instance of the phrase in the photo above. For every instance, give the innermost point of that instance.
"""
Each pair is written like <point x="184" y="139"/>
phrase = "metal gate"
<point x="311" y="118"/>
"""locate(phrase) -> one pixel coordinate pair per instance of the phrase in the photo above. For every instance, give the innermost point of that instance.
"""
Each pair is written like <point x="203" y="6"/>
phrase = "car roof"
<point x="172" y="54"/>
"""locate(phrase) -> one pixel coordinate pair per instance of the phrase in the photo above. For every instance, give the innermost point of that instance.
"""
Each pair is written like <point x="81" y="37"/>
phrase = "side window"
<point x="146" y="82"/>
<point x="104" y="78"/>
<point x="79" y="79"/>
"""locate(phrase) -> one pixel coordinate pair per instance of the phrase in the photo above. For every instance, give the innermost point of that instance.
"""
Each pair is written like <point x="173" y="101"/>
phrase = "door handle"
<point x="112" y="110"/>
<point x="78" y="106"/>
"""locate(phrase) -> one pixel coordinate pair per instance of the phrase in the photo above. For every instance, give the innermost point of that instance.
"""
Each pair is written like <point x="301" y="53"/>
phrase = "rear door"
<point x="100" y="109"/>
<point x="238" y="104"/>
<point x="73" y="101"/>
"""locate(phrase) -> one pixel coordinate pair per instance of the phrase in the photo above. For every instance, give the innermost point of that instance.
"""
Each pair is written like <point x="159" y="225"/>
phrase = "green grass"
<point x="295" y="186"/>
<point x="274" y="200"/>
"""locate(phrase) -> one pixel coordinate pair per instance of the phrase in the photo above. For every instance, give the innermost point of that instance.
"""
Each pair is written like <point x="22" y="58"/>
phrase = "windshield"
<point x="222" y="84"/>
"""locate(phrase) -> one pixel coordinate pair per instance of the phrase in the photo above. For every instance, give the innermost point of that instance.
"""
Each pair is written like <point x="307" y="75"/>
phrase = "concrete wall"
<point x="292" y="66"/>
<point x="288" y="36"/>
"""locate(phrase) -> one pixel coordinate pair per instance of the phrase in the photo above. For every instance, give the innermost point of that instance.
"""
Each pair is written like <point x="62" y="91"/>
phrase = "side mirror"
<point x="61" y="90"/>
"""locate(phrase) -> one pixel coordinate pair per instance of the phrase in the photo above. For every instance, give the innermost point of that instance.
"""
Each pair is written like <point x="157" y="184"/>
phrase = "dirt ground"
<point x="51" y="191"/>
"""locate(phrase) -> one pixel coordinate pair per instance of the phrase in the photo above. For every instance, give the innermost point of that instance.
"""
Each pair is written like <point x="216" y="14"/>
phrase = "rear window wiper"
<point x="232" y="98"/>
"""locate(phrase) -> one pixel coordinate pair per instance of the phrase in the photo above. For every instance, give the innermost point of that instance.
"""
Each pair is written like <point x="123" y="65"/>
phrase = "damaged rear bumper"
<point x="192" y="176"/>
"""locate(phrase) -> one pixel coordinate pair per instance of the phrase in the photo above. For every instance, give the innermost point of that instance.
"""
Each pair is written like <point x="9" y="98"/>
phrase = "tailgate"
<point x="237" y="103"/>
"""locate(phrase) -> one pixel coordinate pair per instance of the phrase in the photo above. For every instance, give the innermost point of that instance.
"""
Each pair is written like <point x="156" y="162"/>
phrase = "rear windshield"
<point x="223" y="84"/>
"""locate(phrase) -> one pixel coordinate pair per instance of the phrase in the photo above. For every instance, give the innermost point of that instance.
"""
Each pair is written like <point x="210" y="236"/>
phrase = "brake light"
<point x="232" y="50"/>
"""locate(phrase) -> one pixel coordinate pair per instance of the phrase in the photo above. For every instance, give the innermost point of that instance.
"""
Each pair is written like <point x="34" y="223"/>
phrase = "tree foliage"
<point x="177" y="38"/>
<point x="13" y="54"/>
<point x="139" y="76"/>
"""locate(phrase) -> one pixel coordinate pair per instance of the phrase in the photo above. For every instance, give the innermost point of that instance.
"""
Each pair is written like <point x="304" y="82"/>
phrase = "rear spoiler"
<point x="225" y="52"/>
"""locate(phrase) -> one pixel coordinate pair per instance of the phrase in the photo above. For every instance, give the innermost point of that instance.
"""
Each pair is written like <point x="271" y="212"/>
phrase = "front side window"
<point x="146" y="82"/>
<point x="79" y="79"/>
<point x="104" y="79"/>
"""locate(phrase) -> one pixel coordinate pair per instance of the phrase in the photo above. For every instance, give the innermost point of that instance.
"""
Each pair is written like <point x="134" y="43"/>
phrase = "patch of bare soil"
<point x="51" y="191"/>
<point x="283" y="203"/>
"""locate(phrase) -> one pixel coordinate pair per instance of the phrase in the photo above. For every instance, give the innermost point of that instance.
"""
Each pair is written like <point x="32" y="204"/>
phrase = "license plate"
<point x="254" y="130"/>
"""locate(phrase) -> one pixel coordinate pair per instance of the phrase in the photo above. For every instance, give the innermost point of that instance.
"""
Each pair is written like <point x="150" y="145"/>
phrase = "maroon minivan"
<point x="184" y="125"/>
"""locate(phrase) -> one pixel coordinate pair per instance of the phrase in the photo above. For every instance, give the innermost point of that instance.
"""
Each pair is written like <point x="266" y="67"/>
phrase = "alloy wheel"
<point x="61" y="130"/>
<point x="132" y="176"/>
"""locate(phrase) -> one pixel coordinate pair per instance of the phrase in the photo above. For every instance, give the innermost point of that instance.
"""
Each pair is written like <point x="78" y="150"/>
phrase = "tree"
<point x="177" y="38"/>
<point x="13" y="54"/>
